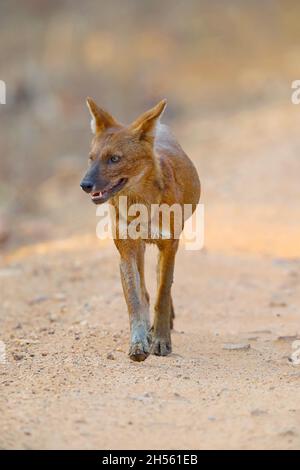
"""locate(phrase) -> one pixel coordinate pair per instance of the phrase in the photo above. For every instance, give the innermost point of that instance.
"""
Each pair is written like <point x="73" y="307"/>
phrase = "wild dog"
<point x="144" y="162"/>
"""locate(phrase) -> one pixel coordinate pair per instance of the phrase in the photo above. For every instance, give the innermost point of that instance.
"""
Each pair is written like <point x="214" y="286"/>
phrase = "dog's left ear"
<point x="145" y="125"/>
<point x="101" y="119"/>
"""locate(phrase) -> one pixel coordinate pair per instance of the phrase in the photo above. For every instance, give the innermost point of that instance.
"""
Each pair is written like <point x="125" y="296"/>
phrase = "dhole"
<point x="144" y="162"/>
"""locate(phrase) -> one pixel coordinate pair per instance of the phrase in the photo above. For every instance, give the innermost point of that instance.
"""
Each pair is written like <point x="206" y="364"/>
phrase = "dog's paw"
<point x="139" y="351"/>
<point x="161" y="346"/>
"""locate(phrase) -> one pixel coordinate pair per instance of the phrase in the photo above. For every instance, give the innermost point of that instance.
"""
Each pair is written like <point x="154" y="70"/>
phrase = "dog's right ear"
<point x="101" y="119"/>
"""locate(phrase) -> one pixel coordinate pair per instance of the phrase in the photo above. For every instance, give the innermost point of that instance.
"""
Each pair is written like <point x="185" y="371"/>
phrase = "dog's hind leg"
<point x="141" y="269"/>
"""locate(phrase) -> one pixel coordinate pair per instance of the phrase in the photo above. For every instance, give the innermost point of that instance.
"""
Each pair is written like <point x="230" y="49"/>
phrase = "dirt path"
<point x="68" y="383"/>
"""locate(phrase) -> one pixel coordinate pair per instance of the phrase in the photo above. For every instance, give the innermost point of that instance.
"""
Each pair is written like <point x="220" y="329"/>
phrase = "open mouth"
<point x="98" y="197"/>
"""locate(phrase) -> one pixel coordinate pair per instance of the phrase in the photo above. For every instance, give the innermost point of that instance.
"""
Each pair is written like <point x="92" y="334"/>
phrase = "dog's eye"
<point x="114" y="159"/>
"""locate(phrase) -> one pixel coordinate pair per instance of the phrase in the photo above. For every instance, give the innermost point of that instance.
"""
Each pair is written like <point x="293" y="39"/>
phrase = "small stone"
<point x="277" y="304"/>
<point x="38" y="300"/>
<point x="237" y="346"/>
<point x="59" y="297"/>
<point x="110" y="356"/>
<point x="26" y="341"/>
<point x="288" y="433"/>
<point x="52" y="317"/>
<point x="18" y="356"/>
<point x="258" y="412"/>
<point x="43" y="329"/>
<point x="287" y="338"/>
<point x="261" y="332"/>
<point x="145" y="397"/>
<point x="211" y="418"/>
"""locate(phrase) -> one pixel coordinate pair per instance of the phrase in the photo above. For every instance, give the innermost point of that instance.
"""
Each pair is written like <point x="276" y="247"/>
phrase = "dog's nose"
<point x="87" y="186"/>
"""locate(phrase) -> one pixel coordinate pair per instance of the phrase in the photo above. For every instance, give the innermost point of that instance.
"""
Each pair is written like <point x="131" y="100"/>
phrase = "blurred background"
<point x="226" y="69"/>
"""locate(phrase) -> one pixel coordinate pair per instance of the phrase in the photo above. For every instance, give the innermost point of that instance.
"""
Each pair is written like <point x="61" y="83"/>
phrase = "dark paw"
<point x="161" y="346"/>
<point x="139" y="351"/>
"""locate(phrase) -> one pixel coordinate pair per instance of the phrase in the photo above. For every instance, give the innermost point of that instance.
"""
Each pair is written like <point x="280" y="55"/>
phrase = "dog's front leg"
<point x="161" y="331"/>
<point x="137" y="302"/>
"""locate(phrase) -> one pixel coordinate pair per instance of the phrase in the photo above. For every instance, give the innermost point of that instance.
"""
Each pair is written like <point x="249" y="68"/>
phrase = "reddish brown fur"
<point x="156" y="171"/>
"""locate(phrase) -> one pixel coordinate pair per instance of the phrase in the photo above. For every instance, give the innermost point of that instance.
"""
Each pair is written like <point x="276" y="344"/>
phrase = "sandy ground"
<point x="67" y="381"/>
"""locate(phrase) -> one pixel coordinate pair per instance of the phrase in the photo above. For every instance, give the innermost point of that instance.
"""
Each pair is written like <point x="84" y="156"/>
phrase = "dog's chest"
<point x="141" y="221"/>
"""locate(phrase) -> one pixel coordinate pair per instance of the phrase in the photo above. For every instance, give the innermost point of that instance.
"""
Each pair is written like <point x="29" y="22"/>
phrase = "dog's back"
<point x="171" y="154"/>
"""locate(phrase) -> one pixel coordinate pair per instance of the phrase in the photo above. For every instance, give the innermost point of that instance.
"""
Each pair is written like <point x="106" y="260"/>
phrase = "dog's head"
<point x="120" y="155"/>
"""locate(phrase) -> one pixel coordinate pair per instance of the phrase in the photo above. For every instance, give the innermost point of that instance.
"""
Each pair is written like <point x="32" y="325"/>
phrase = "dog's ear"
<point x="101" y="119"/>
<point x="144" y="126"/>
